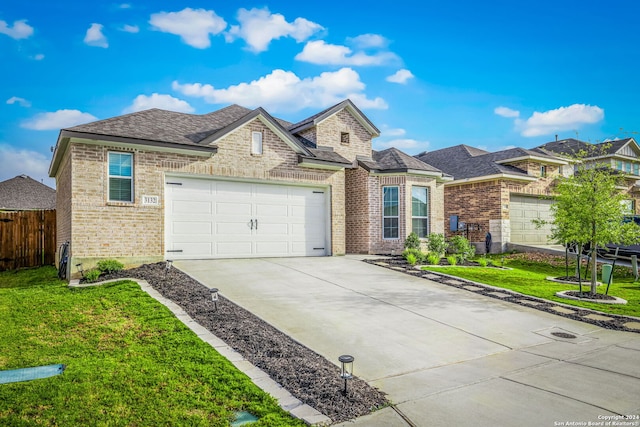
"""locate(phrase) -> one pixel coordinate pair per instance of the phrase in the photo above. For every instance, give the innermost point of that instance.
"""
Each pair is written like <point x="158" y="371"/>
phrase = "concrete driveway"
<point x="444" y="356"/>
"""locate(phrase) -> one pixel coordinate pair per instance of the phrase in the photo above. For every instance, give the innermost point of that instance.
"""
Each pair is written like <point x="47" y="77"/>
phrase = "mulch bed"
<point x="305" y="374"/>
<point x="616" y="322"/>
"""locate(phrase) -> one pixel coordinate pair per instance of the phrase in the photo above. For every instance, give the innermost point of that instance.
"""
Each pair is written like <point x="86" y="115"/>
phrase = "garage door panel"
<point x="192" y="250"/>
<point x="191" y="228"/>
<point x="190" y="207"/>
<point x="522" y="211"/>
<point x="233" y="248"/>
<point x="266" y="229"/>
<point x="215" y="219"/>
<point x="277" y="210"/>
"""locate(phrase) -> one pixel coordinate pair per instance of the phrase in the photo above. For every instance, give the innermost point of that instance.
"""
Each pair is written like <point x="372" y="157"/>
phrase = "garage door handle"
<point x="256" y="224"/>
<point x="251" y="223"/>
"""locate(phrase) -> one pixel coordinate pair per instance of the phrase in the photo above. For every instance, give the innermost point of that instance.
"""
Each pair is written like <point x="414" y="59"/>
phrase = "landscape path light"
<point x="346" y="373"/>
<point x="214" y="297"/>
<point x="167" y="266"/>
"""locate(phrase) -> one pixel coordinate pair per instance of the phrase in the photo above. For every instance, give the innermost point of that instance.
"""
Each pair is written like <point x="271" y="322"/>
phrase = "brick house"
<point x="236" y="182"/>
<point x="497" y="193"/>
<point x="622" y="155"/>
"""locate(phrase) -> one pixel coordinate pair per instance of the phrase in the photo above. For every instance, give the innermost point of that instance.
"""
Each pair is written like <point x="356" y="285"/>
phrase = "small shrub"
<point x="433" y="259"/>
<point x="437" y="244"/>
<point x="412" y="241"/>
<point x="92" y="275"/>
<point x="453" y="260"/>
<point x="416" y="253"/>
<point x="109" y="266"/>
<point x="461" y="247"/>
<point x="411" y="259"/>
<point x="483" y="262"/>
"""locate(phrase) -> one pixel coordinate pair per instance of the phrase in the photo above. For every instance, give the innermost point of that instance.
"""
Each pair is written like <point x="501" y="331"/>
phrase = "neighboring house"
<point x="622" y="155"/>
<point x="236" y="182"/>
<point x="497" y="193"/>
<point x="23" y="193"/>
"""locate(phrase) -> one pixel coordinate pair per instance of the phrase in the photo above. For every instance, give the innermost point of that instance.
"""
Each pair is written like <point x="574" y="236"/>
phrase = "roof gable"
<point x="318" y="118"/>
<point x="25" y="193"/>
<point x="393" y="160"/>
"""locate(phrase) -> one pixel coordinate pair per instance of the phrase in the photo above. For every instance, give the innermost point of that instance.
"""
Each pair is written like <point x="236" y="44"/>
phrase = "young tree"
<point x="588" y="210"/>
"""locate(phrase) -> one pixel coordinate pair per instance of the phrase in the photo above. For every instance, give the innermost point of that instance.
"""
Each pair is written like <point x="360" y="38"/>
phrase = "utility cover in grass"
<point x="244" y="418"/>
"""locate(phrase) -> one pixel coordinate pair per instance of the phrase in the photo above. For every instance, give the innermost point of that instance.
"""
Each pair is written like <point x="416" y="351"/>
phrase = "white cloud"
<point x="20" y="101"/>
<point x="386" y="131"/>
<point x="560" y="119"/>
<point x="57" y="120"/>
<point x="130" y="28"/>
<point x="14" y="162"/>
<point x="284" y="91"/>
<point x="322" y="53"/>
<point x="400" y="76"/>
<point x="405" y="144"/>
<point x="192" y="25"/>
<point x="258" y="27"/>
<point x="506" y="112"/>
<point x="365" y="41"/>
<point x="94" y="36"/>
<point x="125" y="6"/>
<point x="20" y="29"/>
<point x="39" y="57"/>
<point x="165" y="102"/>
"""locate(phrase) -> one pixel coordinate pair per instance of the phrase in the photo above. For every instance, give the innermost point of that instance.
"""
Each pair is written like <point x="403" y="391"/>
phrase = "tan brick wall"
<point x="328" y="133"/>
<point x="357" y="207"/>
<point x="482" y="202"/>
<point x="63" y="202"/>
<point x="125" y="231"/>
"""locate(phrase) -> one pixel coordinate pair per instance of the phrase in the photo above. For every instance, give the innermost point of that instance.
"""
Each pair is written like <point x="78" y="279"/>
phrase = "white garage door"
<point x="523" y="209"/>
<point x="207" y="218"/>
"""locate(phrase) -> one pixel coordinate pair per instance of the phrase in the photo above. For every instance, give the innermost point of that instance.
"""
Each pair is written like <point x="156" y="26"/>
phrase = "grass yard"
<point x="130" y="362"/>
<point x="529" y="271"/>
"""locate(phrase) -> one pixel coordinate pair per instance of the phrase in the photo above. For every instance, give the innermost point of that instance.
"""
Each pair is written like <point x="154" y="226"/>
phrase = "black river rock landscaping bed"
<point x="613" y="321"/>
<point x="305" y="374"/>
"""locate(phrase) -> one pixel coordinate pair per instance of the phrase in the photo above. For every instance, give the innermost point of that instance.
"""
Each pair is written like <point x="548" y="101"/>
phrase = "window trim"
<point x="413" y="216"/>
<point x="257" y="147"/>
<point x="130" y="178"/>
<point x="543" y="171"/>
<point x="397" y="216"/>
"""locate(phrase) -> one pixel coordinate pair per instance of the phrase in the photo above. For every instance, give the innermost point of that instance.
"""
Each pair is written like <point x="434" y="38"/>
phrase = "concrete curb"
<point x="286" y="400"/>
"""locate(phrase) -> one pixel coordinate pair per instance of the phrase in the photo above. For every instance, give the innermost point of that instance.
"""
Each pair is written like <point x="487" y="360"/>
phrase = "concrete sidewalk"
<point x="444" y="356"/>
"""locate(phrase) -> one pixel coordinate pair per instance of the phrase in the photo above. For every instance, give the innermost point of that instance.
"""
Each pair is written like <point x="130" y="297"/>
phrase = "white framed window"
<point x="390" y="212"/>
<point x="636" y="169"/>
<point x="543" y="171"/>
<point x="256" y="143"/>
<point x="420" y="211"/>
<point x="120" y="177"/>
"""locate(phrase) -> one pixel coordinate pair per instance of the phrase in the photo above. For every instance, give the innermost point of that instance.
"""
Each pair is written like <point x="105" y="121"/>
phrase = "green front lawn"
<point x="528" y="276"/>
<point x="130" y="362"/>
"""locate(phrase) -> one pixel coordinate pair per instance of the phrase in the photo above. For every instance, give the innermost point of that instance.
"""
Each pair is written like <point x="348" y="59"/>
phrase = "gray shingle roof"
<point x="25" y="193"/>
<point x="573" y="147"/>
<point x="463" y="163"/>
<point x="165" y="126"/>
<point x="394" y="160"/>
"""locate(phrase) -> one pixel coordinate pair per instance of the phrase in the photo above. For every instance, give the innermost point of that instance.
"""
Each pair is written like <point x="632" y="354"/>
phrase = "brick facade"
<point x="134" y="233"/>
<point x="486" y="203"/>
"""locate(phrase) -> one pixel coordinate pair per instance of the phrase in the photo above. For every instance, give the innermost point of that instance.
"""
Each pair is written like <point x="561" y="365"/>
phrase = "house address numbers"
<point x="151" y="200"/>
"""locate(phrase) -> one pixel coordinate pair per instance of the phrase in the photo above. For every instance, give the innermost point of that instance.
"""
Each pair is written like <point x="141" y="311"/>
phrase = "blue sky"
<point x="429" y="74"/>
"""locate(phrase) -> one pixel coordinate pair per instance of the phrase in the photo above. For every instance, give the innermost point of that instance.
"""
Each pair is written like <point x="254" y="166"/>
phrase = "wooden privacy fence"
<point x="27" y="239"/>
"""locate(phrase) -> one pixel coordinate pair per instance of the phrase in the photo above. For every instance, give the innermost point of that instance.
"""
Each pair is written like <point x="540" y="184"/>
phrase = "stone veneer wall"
<point x="135" y="233"/>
